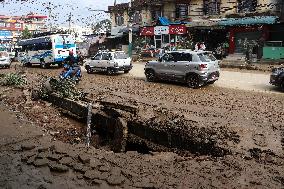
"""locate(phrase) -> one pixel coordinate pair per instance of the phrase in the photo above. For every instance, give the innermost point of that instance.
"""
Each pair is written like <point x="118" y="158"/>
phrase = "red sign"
<point x="147" y="31"/>
<point x="177" y="29"/>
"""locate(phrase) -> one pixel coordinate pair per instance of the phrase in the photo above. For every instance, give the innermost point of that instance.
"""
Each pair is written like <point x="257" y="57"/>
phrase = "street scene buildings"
<point x="159" y="94"/>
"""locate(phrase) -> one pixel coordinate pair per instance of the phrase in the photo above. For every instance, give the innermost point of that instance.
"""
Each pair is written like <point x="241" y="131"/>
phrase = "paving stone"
<point x="28" y="146"/>
<point x="60" y="150"/>
<point x="128" y="173"/>
<point x="54" y="157"/>
<point x="115" y="180"/>
<point x="104" y="168"/>
<point x="94" y="163"/>
<point x="42" y="155"/>
<point x="115" y="171"/>
<point x="41" y="162"/>
<point x="31" y="160"/>
<point x="84" y="158"/>
<point x="80" y="167"/>
<point x="92" y="174"/>
<point x="58" y="167"/>
<point x="104" y="175"/>
<point x="43" y="149"/>
<point x="27" y="155"/>
<point x="97" y="181"/>
<point x="67" y="161"/>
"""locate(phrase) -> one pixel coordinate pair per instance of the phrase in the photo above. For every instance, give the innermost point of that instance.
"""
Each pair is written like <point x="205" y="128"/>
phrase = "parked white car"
<point x="109" y="62"/>
<point x="5" y="61"/>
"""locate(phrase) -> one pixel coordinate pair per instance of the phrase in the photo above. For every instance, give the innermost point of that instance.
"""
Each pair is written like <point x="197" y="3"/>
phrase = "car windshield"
<point x="120" y="55"/>
<point x="64" y="40"/>
<point x="3" y="54"/>
<point x="206" y="57"/>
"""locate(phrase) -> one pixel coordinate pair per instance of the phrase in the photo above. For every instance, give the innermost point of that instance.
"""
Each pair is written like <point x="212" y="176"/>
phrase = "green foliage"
<point x="101" y="26"/>
<point x="12" y="79"/>
<point x="26" y="34"/>
<point x="64" y="88"/>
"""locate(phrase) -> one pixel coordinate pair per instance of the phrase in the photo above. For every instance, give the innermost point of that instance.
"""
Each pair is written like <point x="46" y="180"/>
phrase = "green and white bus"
<point x="46" y="50"/>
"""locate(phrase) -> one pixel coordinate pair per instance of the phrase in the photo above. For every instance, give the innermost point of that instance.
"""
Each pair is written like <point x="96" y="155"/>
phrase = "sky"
<point x="60" y="9"/>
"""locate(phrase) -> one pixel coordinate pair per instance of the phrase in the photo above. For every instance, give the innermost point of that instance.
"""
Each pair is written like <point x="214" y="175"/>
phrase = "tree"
<point x="102" y="26"/>
<point x="26" y="34"/>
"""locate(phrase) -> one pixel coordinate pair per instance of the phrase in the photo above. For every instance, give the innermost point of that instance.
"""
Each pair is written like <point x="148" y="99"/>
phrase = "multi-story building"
<point x="212" y="21"/>
<point x="11" y="27"/>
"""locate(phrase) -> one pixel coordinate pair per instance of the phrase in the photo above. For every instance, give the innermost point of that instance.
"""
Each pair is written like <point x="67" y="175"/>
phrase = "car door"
<point x="182" y="66"/>
<point x="105" y="60"/>
<point x="95" y="60"/>
<point x="171" y="71"/>
<point x="163" y="69"/>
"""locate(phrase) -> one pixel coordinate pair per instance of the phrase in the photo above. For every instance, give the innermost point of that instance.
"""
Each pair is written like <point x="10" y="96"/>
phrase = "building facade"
<point x="11" y="27"/>
<point x="230" y="21"/>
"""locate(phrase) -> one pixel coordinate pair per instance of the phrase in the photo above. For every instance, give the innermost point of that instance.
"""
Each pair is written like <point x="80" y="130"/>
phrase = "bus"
<point x="46" y="50"/>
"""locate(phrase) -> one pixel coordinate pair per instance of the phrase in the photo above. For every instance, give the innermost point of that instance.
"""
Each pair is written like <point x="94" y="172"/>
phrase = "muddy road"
<point x="249" y="126"/>
<point x="230" y="78"/>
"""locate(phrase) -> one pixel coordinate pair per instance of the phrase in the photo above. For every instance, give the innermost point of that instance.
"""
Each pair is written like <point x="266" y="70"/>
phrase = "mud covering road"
<point x="253" y="120"/>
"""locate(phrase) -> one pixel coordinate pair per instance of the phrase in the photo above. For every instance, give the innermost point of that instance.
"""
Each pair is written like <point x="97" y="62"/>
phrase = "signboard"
<point x="159" y="30"/>
<point x="147" y="31"/>
<point x="177" y="29"/>
<point x="6" y="35"/>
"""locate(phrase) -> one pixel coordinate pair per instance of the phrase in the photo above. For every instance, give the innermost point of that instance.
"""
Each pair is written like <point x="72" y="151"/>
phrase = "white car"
<point x="109" y="62"/>
<point x="5" y="61"/>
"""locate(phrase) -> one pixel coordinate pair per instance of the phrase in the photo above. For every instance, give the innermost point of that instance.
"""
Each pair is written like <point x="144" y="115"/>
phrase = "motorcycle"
<point x="67" y="73"/>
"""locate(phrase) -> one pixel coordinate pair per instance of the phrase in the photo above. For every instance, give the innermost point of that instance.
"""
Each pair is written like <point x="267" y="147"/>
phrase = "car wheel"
<point x="126" y="71"/>
<point x="282" y="85"/>
<point x="110" y="71"/>
<point x="210" y="82"/>
<point x="60" y="65"/>
<point x="43" y="65"/>
<point x="150" y="75"/>
<point x="89" y="70"/>
<point x="193" y="81"/>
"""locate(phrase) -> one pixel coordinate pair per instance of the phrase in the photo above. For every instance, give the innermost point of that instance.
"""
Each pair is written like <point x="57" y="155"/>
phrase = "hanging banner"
<point x="177" y="29"/>
<point x="147" y="31"/>
<point x="159" y="30"/>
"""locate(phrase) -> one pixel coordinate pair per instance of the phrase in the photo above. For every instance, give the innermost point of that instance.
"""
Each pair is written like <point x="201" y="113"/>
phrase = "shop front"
<point x="163" y="36"/>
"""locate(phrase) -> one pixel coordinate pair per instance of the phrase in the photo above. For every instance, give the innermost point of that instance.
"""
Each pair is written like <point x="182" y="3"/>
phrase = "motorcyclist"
<point x="72" y="61"/>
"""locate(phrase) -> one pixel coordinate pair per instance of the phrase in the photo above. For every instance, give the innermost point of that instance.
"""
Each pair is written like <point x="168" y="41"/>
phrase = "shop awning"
<point x="126" y="29"/>
<point x="249" y="20"/>
<point x="164" y="21"/>
<point x="115" y="31"/>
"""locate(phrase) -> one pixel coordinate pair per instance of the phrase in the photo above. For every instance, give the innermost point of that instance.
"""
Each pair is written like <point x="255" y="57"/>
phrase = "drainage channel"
<point x="129" y="133"/>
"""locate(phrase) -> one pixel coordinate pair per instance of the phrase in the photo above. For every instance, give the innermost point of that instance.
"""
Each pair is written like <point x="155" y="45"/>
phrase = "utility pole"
<point x="69" y="25"/>
<point x="130" y="30"/>
<point x="49" y="15"/>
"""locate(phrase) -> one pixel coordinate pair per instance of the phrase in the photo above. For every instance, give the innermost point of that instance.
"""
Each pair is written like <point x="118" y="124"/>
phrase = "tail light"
<point x="202" y="66"/>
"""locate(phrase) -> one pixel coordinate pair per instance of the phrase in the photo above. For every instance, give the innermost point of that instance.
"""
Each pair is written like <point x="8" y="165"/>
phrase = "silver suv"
<point x="196" y="68"/>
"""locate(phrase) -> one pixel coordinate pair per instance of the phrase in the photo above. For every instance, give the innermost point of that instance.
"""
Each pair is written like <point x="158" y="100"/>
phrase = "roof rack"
<point x="49" y="33"/>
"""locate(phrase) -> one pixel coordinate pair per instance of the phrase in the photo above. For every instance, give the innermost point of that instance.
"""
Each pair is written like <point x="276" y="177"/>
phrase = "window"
<point x="97" y="57"/>
<point x="186" y="57"/>
<point x="18" y="25"/>
<point x="211" y="7"/>
<point x="106" y="56"/>
<point x="181" y="10"/>
<point x="8" y="25"/>
<point x="247" y="6"/>
<point x="2" y="24"/>
<point x="137" y="18"/>
<point x="120" y="55"/>
<point x="156" y="13"/>
<point x="119" y="20"/>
